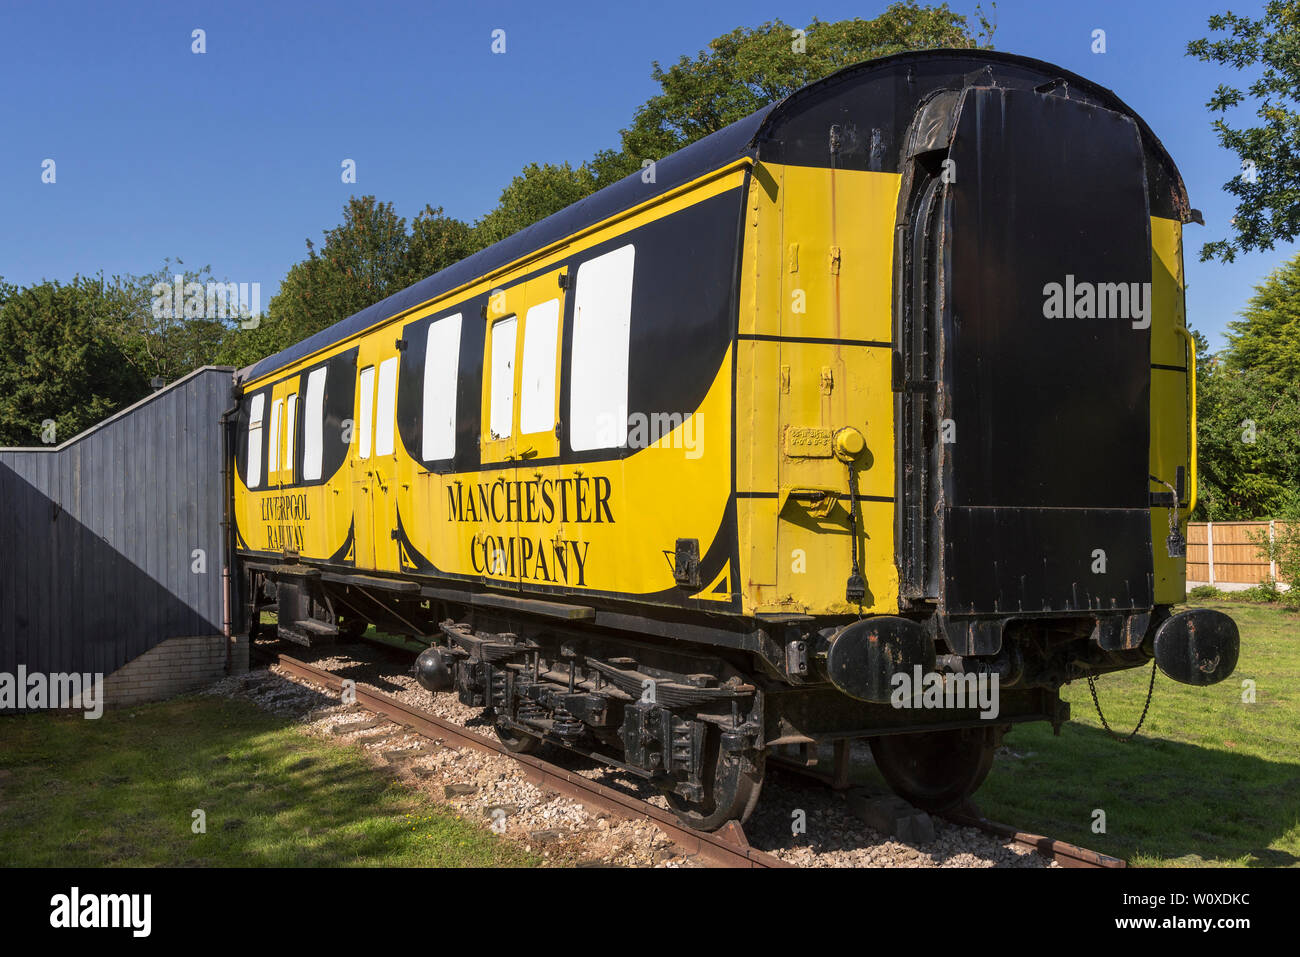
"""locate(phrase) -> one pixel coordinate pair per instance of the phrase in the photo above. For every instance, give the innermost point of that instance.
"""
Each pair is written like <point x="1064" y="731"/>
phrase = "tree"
<point x="1248" y="408"/>
<point x="741" y="72"/>
<point x="436" y="242"/>
<point x="748" y="68"/>
<point x="537" y="192"/>
<point x="371" y="255"/>
<point x="366" y="258"/>
<point x="1267" y="186"/>
<point x="1248" y="433"/>
<point x="166" y="343"/>
<point x="61" y="362"/>
<point x="1267" y="336"/>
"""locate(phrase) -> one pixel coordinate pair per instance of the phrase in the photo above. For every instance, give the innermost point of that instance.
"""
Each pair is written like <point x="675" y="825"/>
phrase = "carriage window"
<point x="255" y="439"/>
<point x="385" y="412"/>
<point x="537" y="387"/>
<point x="273" y="446"/>
<point x="602" y="322"/>
<point x="441" y="365"/>
<point x="290" y="412"/>
<point x="502" y="401"/>
<point x="366" y="385"/>
<point x="313" y="425"/>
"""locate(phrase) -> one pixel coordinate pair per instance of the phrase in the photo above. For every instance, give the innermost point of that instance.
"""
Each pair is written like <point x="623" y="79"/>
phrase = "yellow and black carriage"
<point x="886" y="385"/>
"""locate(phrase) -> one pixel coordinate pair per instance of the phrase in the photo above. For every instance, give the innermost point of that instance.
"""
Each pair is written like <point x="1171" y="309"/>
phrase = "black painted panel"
<point x="1049" y="463"/>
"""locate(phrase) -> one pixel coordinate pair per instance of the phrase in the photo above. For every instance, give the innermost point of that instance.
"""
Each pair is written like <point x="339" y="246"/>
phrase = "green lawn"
<point x="121" y="790"/>
<point x="1210" y="779"/>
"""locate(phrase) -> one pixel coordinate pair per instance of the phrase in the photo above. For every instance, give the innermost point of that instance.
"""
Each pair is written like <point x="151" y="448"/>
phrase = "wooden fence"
<point x="1225" y="554"/>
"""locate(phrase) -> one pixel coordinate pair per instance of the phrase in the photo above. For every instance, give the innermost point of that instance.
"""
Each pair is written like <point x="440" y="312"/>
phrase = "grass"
<point x="1210" y="780"/>
<point x="121" y="791"/>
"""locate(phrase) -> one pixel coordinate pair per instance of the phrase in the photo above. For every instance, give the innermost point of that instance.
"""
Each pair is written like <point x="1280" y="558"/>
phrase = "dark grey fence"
<point x="98" y="536"/>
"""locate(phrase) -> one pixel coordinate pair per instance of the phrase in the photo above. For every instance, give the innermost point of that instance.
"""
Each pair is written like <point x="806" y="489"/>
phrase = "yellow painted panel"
<point x="1170" y="412"/>
<point x="818" y="266"/>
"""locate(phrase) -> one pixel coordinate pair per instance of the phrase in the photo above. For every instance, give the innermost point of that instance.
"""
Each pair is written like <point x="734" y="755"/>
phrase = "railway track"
<point x="1061" y="852"/>
<point x="725" y="848"/>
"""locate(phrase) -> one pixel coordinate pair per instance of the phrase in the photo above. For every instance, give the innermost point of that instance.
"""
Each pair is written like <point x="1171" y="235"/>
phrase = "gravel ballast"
<point x="492" y="789"/>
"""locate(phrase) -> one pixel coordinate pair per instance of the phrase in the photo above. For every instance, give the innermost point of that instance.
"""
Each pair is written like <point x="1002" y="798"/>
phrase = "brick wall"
<point x="173" y="667"/>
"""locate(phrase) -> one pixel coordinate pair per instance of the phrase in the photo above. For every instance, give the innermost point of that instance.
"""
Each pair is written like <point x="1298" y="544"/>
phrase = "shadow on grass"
<point x="124" y="790"/>
<point x="1165" y="802"/>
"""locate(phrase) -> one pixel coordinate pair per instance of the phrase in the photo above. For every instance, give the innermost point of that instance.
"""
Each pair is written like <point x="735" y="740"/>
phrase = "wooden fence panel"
<point x="1225" y="553"/>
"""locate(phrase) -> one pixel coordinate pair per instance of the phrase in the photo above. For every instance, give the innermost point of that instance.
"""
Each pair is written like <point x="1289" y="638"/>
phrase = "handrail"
<point x="1191" y="443"/>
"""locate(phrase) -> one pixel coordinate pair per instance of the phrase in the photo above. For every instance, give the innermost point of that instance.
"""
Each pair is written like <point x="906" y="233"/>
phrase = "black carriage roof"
<point x="740" y="139"/>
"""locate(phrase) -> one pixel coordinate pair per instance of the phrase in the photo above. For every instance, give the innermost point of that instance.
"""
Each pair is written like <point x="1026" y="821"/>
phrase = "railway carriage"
<point x="885" y="382"/>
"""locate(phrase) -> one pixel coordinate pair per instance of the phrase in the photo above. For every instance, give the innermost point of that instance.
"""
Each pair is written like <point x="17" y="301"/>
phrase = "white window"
<point x="441" y="366"/>
<point x="602" y="323"/>
<point x="385" y="412"/>
<point x="255" y="408"/>
<point x="366" y="385"/>
<point x="501" y="408"/>
<point x="273" y="448"/>
<point x="290" y="412"/>
<point x="313" y="425"/>
<point x="537" y="390"/>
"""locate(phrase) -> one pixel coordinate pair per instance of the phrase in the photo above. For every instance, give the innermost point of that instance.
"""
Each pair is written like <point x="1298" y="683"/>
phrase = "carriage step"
<point x="305" y="631"/>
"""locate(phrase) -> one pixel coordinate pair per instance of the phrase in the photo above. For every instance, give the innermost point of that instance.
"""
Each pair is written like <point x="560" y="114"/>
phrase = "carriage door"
<point x="384" y="465"/>
<point x="1038" y="363"/>
<point x="361" y="462"/>
<point x="520" y="440"/>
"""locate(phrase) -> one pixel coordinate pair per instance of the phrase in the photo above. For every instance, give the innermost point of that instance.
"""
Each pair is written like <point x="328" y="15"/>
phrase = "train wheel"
<point x="517" y="742"/>
<point x="353" y="628"/>
<point x="732" y="782"/>
<point x="935" y="770"/>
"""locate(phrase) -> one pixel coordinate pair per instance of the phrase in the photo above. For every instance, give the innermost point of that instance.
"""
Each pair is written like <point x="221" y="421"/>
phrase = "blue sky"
<point x="233" y="158"/>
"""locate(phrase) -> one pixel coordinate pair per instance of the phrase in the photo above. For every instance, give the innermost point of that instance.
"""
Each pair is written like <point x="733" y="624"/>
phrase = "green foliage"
<point x="1201" y="592"/>
<point x="1268" y="48"/>
<point x="1248" y="408"/>
<point x="741" y="72"/>
<point x="1267" y="337"/>
<point x="79" y="352"/>
<point x="60" y="361"/>
<point x="167" y="347"/>
<point x="1266" y="592"/>
<point x="1249" y="445"/>
<point x="748" y="68"/>
<point x="369" y="256"/>
<point x="1282" y="549"/>
<point x="537" y="192"/>
<point x="1286" y="553"/>
<point x="372" y="254"/>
